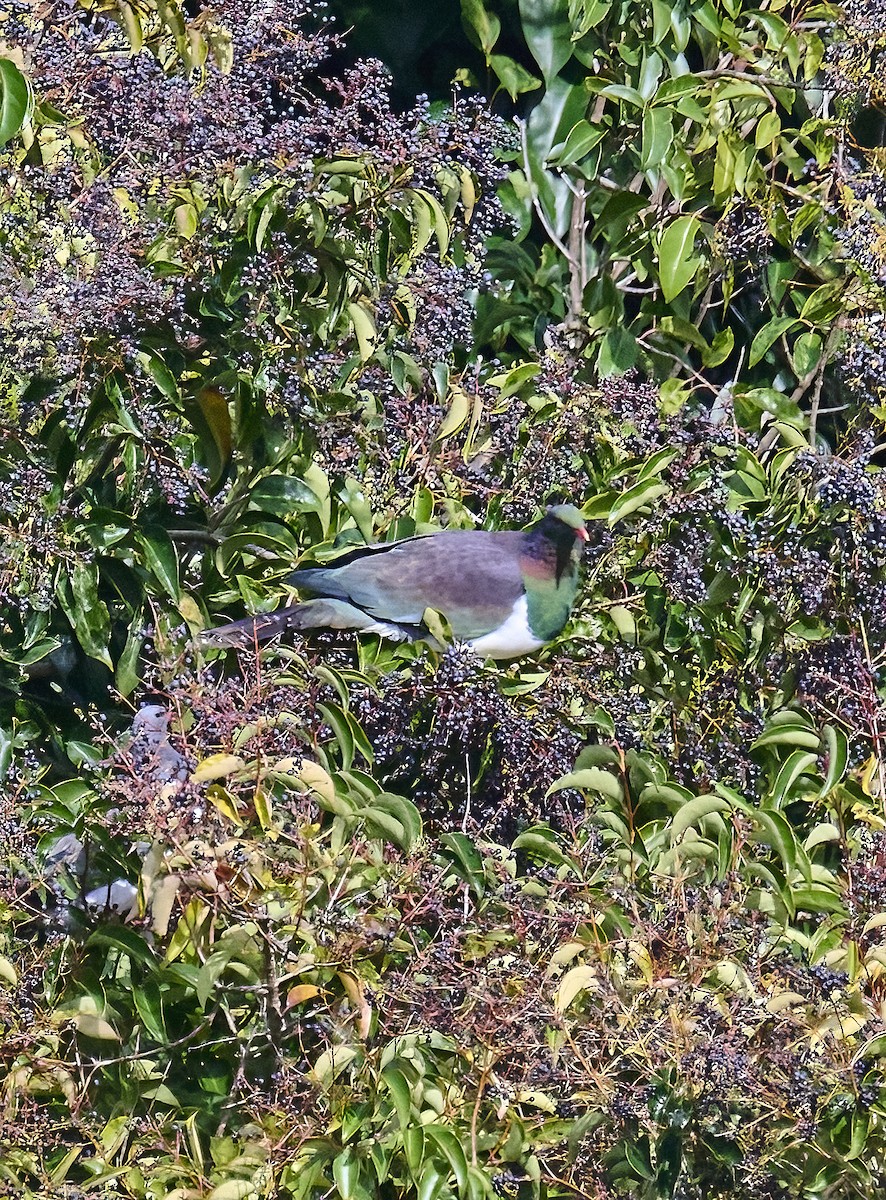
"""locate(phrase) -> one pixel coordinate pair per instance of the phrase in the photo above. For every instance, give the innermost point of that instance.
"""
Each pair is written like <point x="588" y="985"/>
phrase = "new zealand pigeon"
<point x="504" y="593"/>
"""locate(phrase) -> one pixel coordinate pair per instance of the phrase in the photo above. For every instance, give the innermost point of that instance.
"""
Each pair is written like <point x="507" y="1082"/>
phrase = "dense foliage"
<point x="350" y="919"/>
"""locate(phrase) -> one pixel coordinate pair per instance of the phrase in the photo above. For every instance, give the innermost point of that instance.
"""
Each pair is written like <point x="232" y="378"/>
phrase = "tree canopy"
<point x="343" y="918"/>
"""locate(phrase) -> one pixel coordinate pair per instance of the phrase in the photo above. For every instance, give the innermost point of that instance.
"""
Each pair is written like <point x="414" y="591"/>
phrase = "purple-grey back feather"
<point x="472" y="577"/>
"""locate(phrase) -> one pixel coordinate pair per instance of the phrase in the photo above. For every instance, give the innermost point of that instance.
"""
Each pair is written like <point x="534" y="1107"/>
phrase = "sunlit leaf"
<point x="15" y="98"/>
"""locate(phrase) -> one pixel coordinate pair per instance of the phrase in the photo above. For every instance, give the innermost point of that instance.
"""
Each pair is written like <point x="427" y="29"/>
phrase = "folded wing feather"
<point x="473" y="578"/>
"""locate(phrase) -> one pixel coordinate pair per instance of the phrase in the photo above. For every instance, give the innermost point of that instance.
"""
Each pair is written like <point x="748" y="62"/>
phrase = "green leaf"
<point x="671" y="794"/>
<point x="672" y="89"/>
<point x="836" y="751"/>
<point x="768" y="129"/>
<point x="657" y="463"/>
<point x="162" y="376"/>
<point x="421" y="227"/>
<point x="211" y="419"/>
<point x="485" y="25"/>
<point x="797" y="764"/>
<point x="657" y="136"/>
<point x="364" y="329"/>
<point x="234" y="1189"/>
<point x="396" y="817"/>
<point x="618" y="352"/>
<point x="452" y="1150"/>
<point x="815" y="898"/>
<point x="777" y="833"/>
<point x="439" y="218"/>
<point x="626" y="624"/>
<point x="694" y="812"/>
<point x="824" y="832"/>
<point x="510" y="382"/>
<point x="514" y="78"/>
<point x="548" y="33"/>
<point x="590" y="779"/>
<point x="615" y="91"/>
<point x="582" y="138"/>
<point x="788" y="733"/>
<point x="400" y="1094"/>
<point x="720" y="348"/>
<point x="160" y="558"/>
<point x="677" y="263"/>
<point x="149" y="1007"/>
<point x="334" y="716"/>
<point x="346" y="1173"/>
<point x="637" y="1154"/>
<point x="586" y="17"/>
<point x="806" y="353"/>
<point x="413" y="1145"/>
<point x="825" y="302"/>
<point x="726" y="168"/>
<point x="88" y="614"/>
<point x="93" y="1026"/>
<point x="282" y="495"/>
<point x="768" y="335"/>
<point x="542" y="843"/>
<point x="643" y="493"/>
<point x="125" y="940"/>
<point x="467" y="861"/>
<point x="15" y="99"/>
<point x="432" y="1182"/>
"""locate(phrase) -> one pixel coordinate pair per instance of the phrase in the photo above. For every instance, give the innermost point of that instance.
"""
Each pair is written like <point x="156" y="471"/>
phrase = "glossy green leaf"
<point x="542" y="844"/>
<point x="15" y="99"/>
<point x="548" y="33"/>
<point x="806" y="353"/>
<point x="464" y="856"/>
<point x="635" y="498"/>
<point x="835" y="750"/>
<point x="694" y="812"/>
<point x="581" y="140"/>
<point x="483" y="24"/>
<point x="768" y="335"/>
<point x="395" y="817"/>
<point x="590" y="779"/>
<point x="788" y="734"/>
<point x="282" y="495"/>
<point x="400" y="1094"/>
<point x="160" y="559"/>
<point x="618" y="352"/>
<point x="676" y="256"/>
<point x="453" y="1151"/>
<point x="656" y="138"/>
<point x="513" y="77"/>
<point x="88" y="614"/>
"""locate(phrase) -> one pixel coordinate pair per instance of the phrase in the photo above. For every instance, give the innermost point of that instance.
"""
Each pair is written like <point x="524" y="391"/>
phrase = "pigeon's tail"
<point x="322" y="613"/>
<point x="260" y="628"/>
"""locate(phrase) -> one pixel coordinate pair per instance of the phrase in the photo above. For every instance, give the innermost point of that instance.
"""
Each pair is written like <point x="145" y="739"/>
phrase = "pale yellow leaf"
<point x="300" y="993"/>
<point x="579" y="979"/>
<point x="217" y="766"/>
<point x="91" y="1025"/>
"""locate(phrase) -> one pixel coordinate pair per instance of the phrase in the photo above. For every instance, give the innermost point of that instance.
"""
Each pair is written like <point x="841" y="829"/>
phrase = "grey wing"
<point x="472" y="577"/>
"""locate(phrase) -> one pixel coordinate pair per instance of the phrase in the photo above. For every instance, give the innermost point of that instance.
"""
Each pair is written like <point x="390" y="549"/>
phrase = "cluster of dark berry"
<point x="743" y="239"/>
<point x="449" y="738"/>
<point x="850" y="68"/>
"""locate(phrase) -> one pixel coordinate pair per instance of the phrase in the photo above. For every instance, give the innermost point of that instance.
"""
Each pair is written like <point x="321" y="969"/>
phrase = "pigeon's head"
<point x="560" y="537"/>
<point x="569" y="515"/>
<point x="151" y="718"/>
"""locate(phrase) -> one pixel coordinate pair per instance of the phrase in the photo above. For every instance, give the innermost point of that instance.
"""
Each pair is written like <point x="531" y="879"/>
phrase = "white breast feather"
<point x="510" y="639"/>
